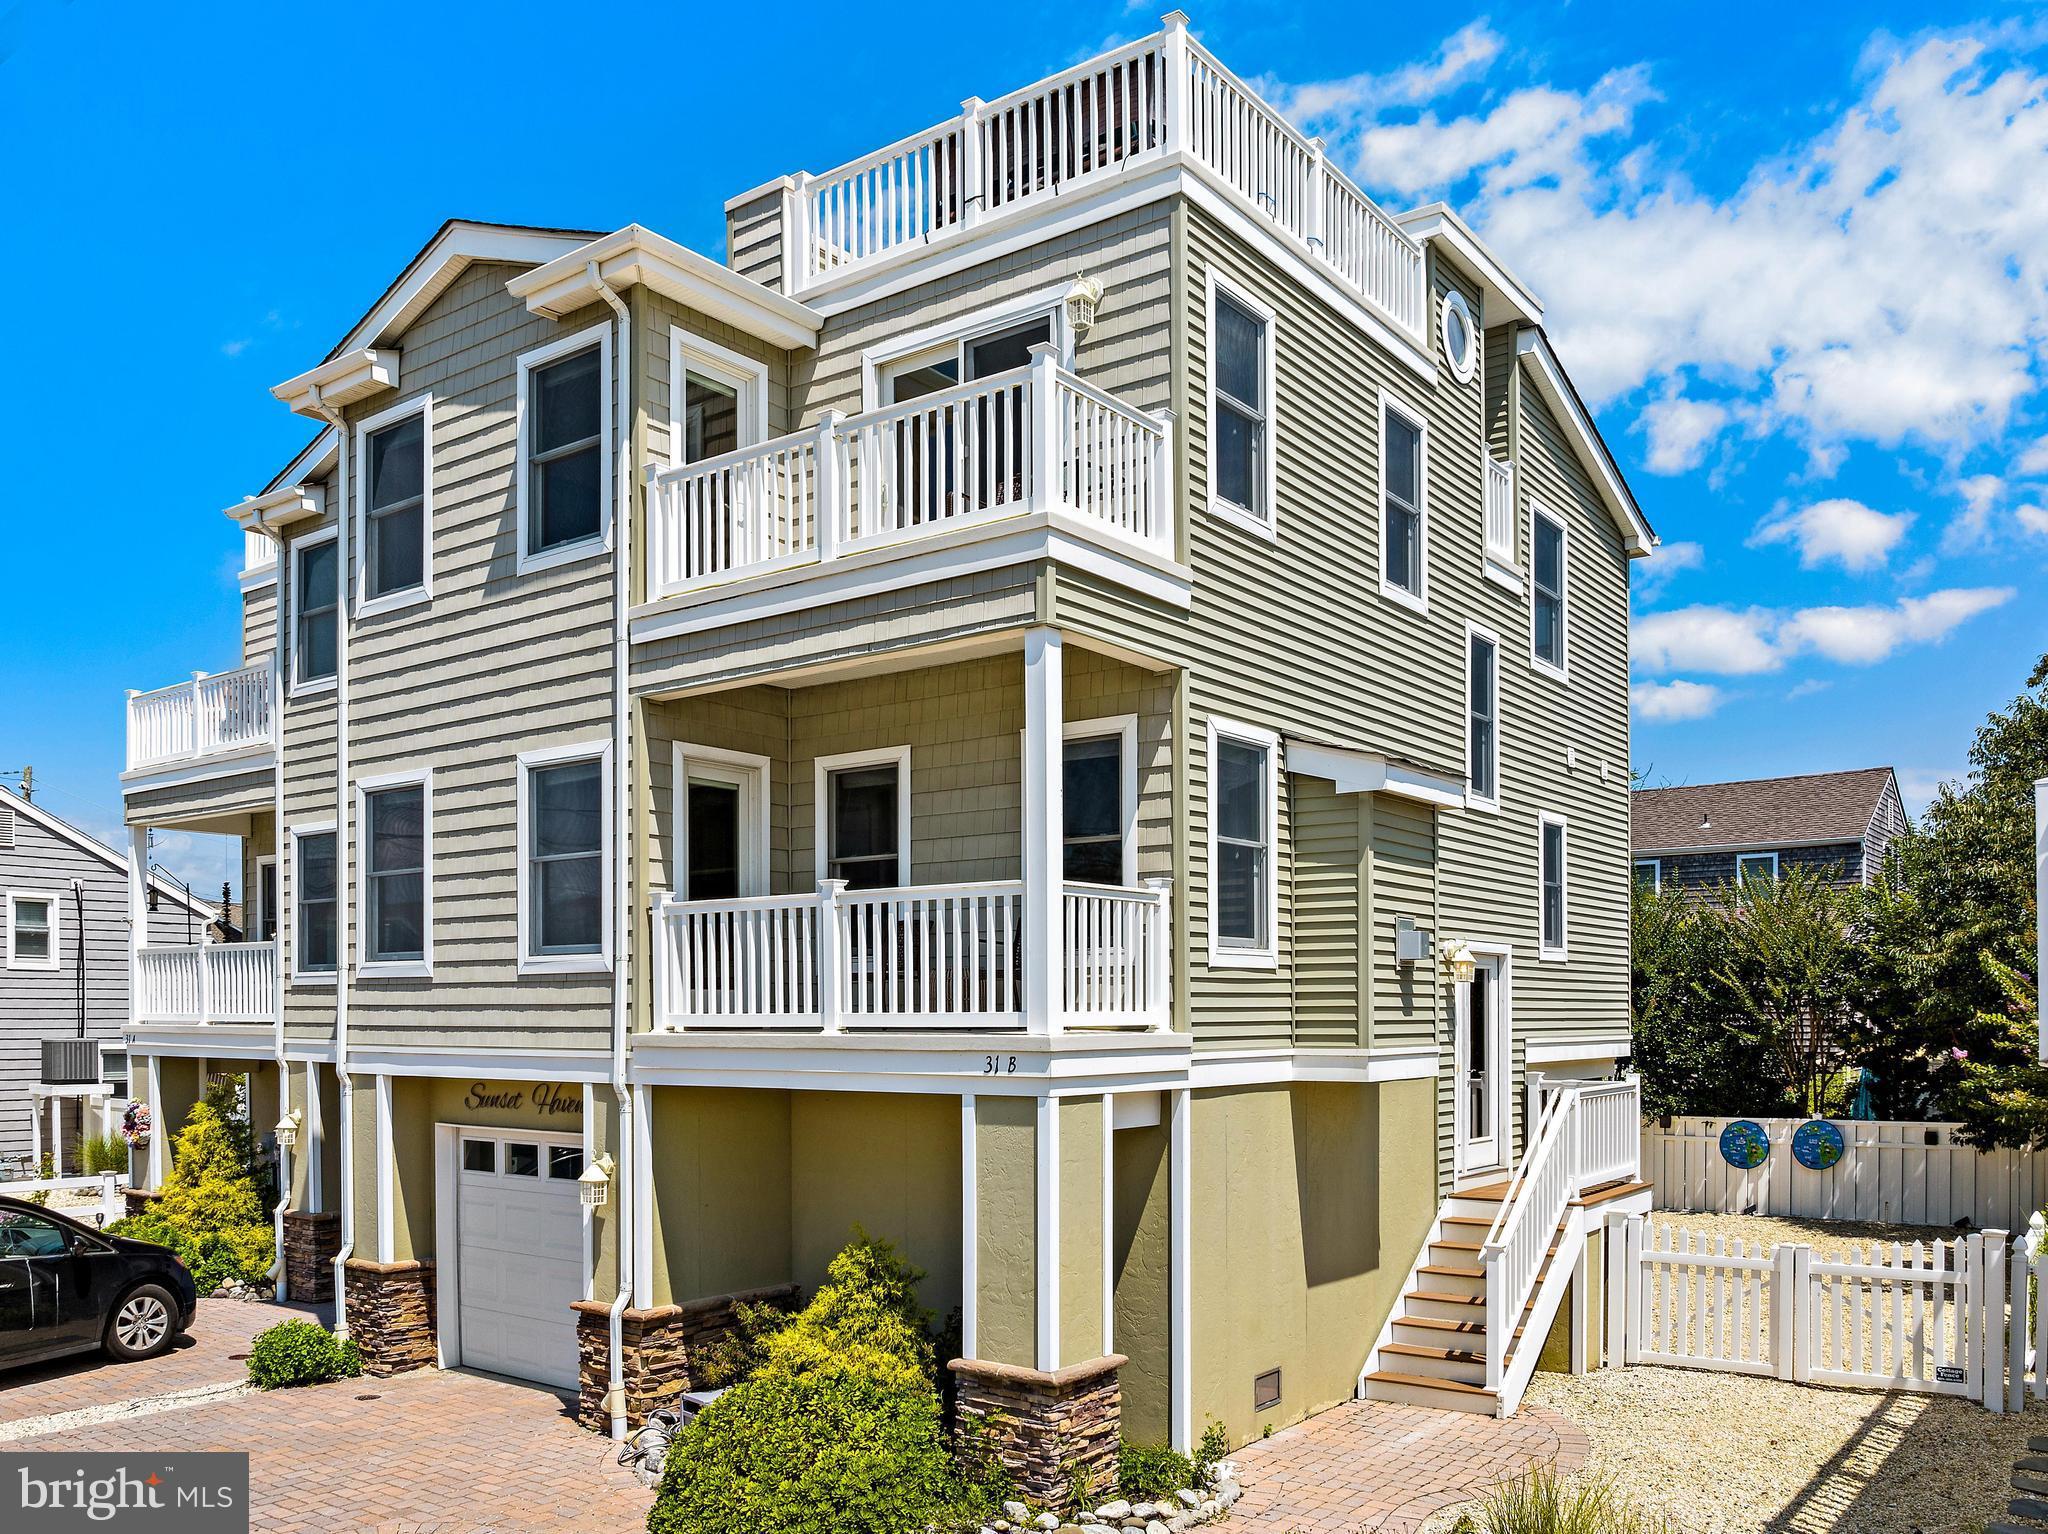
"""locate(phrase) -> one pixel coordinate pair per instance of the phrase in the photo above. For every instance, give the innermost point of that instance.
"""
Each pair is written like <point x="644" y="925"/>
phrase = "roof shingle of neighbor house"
<point x="1761" y="812"/>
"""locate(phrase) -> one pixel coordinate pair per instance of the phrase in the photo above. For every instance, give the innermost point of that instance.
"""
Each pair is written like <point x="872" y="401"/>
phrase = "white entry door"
<point x="1483" y="1054"/>
<point x="519" y="1254"/>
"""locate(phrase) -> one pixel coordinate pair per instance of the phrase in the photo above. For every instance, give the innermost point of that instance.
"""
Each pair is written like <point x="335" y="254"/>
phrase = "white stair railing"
<point x="1518" y="1243"/>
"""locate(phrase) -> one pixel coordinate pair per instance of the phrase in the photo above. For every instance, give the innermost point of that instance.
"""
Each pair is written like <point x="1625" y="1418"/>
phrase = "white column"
<point x="1043" y="458"/>
<point x="970" y="1230"/>
<point x="56" y="1134"/>
<point x="138" y="916"/>
<point x="1044" y="821"/>
<point x="35" y="1136"/>
<point x="642" y="1182"/>
<point x="2041" y="904"/>
<point x="316" y="1152"/>
<point x="1176" y="95"/>
<point x="1048" y="1232"/>
<point x="386" y="1245"/>
<point x="158" y="1128"/>
<point x="972" y="205"/>
<point x="1180" y="1178"/>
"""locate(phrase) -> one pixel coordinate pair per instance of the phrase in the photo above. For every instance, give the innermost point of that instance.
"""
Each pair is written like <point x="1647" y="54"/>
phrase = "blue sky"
<point x="1796" y="257"/>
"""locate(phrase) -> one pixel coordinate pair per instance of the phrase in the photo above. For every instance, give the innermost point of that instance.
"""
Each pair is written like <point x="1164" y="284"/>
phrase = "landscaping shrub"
<point x="103" y="1153"/>
<point x="1542" y="1502"/>
<point x="301" y="1353"/>
<point x="208" y="1211"/>
<point x="1149" y="1472"/>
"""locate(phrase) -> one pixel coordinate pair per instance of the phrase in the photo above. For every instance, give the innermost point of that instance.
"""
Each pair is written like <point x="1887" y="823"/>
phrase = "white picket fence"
<point x="1891" y="1172"/>
<point x="110" y="1208"/>
<point x="1949" y="1317"/>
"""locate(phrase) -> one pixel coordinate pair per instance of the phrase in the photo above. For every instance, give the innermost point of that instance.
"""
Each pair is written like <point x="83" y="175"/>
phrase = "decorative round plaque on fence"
<point x="1744" y="1145"/>
<point x="1816" y="1145"/>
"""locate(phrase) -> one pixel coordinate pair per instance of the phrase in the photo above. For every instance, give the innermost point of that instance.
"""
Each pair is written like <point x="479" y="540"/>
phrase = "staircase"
<point x="1499" y="1258"/>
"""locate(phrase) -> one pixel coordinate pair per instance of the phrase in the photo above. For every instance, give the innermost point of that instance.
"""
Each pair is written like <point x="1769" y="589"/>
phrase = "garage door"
<point x="520" y="1261"/>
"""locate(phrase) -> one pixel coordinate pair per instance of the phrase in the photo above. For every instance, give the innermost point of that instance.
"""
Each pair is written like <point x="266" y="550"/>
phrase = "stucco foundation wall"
<point x="1006" y="1213"/>
<point x="1141" y="1251"/>
<point x="887" y="1161"/>
<point x="1309" y="1203"/>
<point x="721" y="1190"/>
<point x="1081" y="1188"/>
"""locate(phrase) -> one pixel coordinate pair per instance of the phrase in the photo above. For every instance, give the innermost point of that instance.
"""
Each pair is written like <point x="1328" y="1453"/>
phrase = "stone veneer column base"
<point x="311" y="1243"/>
<point x="1046" y="1425"/>
<point x="391" y="1314"/>
<point x="138" y="1200"/>
<point x="655" y="1349"/>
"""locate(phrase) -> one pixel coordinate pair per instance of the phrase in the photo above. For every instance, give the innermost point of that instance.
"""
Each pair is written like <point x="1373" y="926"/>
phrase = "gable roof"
<point x="1559" y="392"/>
<point x="63" y="830"/>
<point x="1812" y="809"/>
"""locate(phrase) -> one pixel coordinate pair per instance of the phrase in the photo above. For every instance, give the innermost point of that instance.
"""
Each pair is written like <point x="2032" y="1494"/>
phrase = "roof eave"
<point x="1506" y="299"/>
<point x="1637" y="536"/>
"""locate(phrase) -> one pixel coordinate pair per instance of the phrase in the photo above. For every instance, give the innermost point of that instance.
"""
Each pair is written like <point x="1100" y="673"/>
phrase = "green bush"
<point x="301" y="1353"/>
<point x="103" y="1153"/>
<point x="208" y="1210"/>
<point x="1147" y="1472"/>
<point x="1544" y="1503"/>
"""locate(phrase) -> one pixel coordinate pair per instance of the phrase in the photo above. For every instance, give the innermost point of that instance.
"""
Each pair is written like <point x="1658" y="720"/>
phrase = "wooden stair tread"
<point x="1429" y="1382"/>
<point x="1477" y="1300"/>
<point x="1476" y="1221"/>
<point x="1460" y="1246"/>
<point x="1438" y="1324"/>
<point x="1491" y="1193"/>
<point x="1608" y="1192"/>
<point x="1418" y="1350"/>
<point x="1452" y="1270"/>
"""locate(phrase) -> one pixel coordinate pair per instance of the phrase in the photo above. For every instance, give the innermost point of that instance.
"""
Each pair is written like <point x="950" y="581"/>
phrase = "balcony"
<point x="946" y="957"/>
<point x="207" y="717"/>
<point x="210" y="983"/>
<point x="1033" y="440"/>
<point x="1144" y="104"/>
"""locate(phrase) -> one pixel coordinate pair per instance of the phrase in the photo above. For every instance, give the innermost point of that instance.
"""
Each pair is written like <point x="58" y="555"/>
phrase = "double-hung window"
<point x="1482" y="718"/>
<point x="31" y="930"/>
<point x="564" y="904"/>
<point x="1240" y="409"/>
<point x="1243" y="833"/>
<point x="395" y="453"/>
<point x="1552" y="898"/>
<point x="865" y="810"/>
<point x="397" y="900"/>
<point x="1756" y="865"/>
<point x="1096" y="804"/>
<point x="1404" y="529"/>
<point x="316" y="945"/>
<point x="1547" y="581"/>
<point x="316" y="602"/>
<point x="565" y="447"/>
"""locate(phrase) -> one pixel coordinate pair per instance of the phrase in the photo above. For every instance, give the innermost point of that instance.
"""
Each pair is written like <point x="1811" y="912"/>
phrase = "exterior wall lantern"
<point x="1083" y="299"/>
<point x="594" y="1187"/>
<point x="287" y="1130"/>
<point x="1459" y="961"/>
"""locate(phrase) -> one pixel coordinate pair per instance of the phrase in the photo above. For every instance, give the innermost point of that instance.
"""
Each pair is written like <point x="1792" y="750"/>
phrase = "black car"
<point x="65" y="1288"/>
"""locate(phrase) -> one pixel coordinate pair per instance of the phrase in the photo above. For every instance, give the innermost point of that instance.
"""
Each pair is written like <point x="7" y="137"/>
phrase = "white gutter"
<point x="622" y="912"/>
<point x="284" y="1070"/>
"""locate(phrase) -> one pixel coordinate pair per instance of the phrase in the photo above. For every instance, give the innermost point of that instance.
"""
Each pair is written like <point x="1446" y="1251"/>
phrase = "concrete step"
<point x="1435" y="1362"/>
<point x="2024" y="1480"/>
<point x="1421" y="1390"/>
<point x="2028" y="1507"/>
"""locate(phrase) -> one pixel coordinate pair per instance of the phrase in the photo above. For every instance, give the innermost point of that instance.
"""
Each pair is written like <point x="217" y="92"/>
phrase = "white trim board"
<point x="525" y="561"/>
<point x="823" y="768"/>
<point x="368" y="968"/>
<point x="1265" y="954"/>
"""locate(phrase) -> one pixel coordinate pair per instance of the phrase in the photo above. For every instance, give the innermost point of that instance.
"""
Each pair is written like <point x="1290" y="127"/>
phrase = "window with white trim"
<point x="316" y="607"/>
<point x="1756" y="865"/>
<point x="263" y="905"/>
<point x="395" y="508"/>
<point x="1096" y="788"/>
<point x="1554" y="852"/>
<point x="1482" y="717"/>
<point x="1649" y="875"/>
<point x="1243" y="842"/>
<point x="564" y="485"/>
<point x="1403" y="523"/>
<point x="316" y="942"/>
<point x="1548" y="591"/>
<point x="1241" y="372"/>
<point x="565" y="840"/>
<point x="864" y="815"/>
<point x="32" y="937"/>
<point x="397" y="849"/>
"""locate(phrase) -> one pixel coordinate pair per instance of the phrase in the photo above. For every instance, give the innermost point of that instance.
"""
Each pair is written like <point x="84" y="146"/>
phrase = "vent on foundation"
<point x="1266" y="1390"/>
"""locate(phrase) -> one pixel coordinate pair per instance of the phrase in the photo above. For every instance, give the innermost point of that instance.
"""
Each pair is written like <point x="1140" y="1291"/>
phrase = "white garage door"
<point x="520" y="1262"/>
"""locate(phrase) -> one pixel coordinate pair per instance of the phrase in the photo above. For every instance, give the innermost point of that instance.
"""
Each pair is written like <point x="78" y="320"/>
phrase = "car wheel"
<point x="143" y="1323"/>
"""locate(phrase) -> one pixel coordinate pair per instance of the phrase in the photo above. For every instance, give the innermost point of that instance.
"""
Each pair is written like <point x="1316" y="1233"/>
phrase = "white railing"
<point x="110" y="1208"/>
<point x="1032" y="439"/>
<point x="1500" y="512"/>
<point x="1608" y="1144"/>
<point x="207" y="983"/>
<point x="1131" y="107"/>
<point x="206" y="716"/>
<point x="940" y="956"/>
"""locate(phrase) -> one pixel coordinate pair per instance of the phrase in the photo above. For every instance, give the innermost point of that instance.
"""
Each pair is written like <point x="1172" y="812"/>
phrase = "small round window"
<point x="1461" y="337"/>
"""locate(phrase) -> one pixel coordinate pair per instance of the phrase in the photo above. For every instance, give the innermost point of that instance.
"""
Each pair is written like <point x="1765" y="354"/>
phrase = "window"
<point x="1482" y="717"/>
<point x="1099" y="787"/>
<point x="397" y="912"/>
<point x="1403" y="484"/>
<point x="564" y="829"/>
<point x="394" y="454"/>
<point x="31" y="930"/>
<point x="313" y="895"/>
<point x="865" y="808"/>
<point x="30" y="1235"/>
<point x="718" y="398"/>
<point x="564" y="410"/>
<point x="1240" y="409"/>
<point x="565" y="1163"/>
<point x="1243" y="830"/>
<point x="1649" y="875"/>
<point x="1461" y="338"/>
<point x="1552" y="945"/>
<point x="316" y="601"/>
<point x="1547" y="580"/>
<point x="1756" y="865"/>
<point x="480" y="1155"/>
<point x="521" y="1159"/>
<point x="263" y="907"/>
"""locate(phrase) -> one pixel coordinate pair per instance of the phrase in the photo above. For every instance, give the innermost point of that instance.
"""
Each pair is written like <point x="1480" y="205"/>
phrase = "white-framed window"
<point x="717" y="399"/>
<point x="994" y="340"/>
<point x="395" y="887"/>
<point x="262" y="901"/>
<point x="1460" y="337"/>
<point x="1242" y="408"/>
<point x="1756" y="865"/>
<point x="721" y="822"/>
<point x="1099" y="801"/>
<point x="1482" y="717"/>
<point x="1549" y="592"/>
<point x="1404" y="504"/>
<point x="394" y="543"/>
<point x="1553" y="854"/>
<point x="1244" y="840"/>
<point x="1650" y="875"/>
<point x="862" y="824"/>
<point x="33" y="929"/>
<point x="565" y="859"/>
<point x="564" y="418"/>
<point x="314" y="593"/>
<point x="316" y="903"/>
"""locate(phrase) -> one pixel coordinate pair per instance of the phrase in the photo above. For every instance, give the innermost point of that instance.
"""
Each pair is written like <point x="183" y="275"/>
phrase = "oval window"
<point x="1461" y="337"/>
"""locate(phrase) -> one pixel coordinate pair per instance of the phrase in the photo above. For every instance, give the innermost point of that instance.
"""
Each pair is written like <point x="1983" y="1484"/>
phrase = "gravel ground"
<point x="1734" y="1454"/>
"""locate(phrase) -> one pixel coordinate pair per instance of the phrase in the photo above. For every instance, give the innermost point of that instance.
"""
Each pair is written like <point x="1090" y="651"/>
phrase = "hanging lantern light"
<point x="1459" y="961"/>
<point x="287" y="1130"/>
<point x="594" y="1187"/>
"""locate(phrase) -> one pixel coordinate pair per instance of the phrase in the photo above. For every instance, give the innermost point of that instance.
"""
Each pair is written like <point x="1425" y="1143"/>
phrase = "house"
<point x="1707" y="835"/>
<point x="1086" y="733"/>
<point x="64" y="980"/>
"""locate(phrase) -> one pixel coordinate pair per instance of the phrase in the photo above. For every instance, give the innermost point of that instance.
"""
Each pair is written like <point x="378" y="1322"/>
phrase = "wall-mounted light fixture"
<point x="287" y="1130"/>
<point x="1083" y="299"/>
<point x="1458" y="961"/>
<point x="594" y="1187"/>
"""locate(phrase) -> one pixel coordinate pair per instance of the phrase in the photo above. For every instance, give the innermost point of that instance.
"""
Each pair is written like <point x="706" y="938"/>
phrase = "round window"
<point x="1461" y="337"/>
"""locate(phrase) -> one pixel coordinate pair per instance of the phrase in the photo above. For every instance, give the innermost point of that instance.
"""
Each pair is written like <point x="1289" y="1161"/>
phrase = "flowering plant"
<point x="135" y="1123"/>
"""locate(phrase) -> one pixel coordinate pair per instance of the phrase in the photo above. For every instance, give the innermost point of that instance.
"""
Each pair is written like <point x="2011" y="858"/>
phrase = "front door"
<point x="1482" y="1060"/>
<point x="719" y="808"/>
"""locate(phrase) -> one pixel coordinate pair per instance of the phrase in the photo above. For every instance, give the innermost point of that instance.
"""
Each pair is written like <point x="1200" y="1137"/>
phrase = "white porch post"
<point x="386" y="1246"/>
<point x="35" y="1134"/>
<point x="315" y="1133"/>
<point x="1044" y="820"/>
<point x="157" y="1127"/>
<point x="56" y="1134"/>
<point x="642" y="1215"/>
<point x="138" y="915"/>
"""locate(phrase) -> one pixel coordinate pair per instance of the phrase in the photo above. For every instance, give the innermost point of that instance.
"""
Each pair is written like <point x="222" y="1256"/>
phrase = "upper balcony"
<point x="1165" y="99"/>
<point x="205" y="983"/>
<point x="210" y="716"/>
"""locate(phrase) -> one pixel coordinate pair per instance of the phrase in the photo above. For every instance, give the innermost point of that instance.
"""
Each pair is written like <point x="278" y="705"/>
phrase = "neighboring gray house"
<point x="63" y="957"/>
<point x="1709" y="834"/>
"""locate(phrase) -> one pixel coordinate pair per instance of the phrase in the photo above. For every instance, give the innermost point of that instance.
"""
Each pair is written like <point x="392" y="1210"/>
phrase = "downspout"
<point x="284" y="1072"/>
<point x="623" y="850"/>
<point x="78" y="915"/>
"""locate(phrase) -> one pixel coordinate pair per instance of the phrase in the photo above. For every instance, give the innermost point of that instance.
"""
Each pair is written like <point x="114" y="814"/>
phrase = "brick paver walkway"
<point x="453" y="1453"/>
<point x="1371" y="1467"/>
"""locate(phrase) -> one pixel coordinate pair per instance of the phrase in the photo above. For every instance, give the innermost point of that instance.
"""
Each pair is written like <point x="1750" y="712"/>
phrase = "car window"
<point x="28" y="1235"/>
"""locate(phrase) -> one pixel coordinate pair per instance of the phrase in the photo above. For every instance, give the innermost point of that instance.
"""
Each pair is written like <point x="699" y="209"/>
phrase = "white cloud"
<point x="1918" y="785"/>
<point x="1658" y="568"/>
<point x="1847" y="532"/>
<point x="1463" y="57"/>
<point x="1724" y="642"/>
<point x="1680" y="431"/>
<point x="1699" y="638"/>
<point x="1807" y="689"/>
<point x="2032" y="460"/>
<point x="2033" y="519"/>
<point x="1669" y="702"/>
